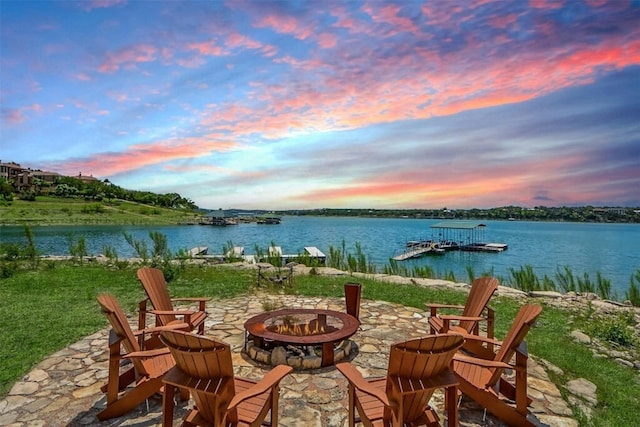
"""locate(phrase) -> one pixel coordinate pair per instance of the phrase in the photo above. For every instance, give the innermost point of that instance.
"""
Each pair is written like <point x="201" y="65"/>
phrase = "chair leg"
<point x="131" y="399"/>
<point x="168" y="404"/>
<point x="451" y="406"/>
<point x="275" y="394"/>
<point x="352" y="406"/>
<point x="495" y="405"/>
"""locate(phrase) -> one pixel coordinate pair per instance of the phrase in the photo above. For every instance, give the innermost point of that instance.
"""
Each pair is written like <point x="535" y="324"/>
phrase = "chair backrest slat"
<point x="206" y="361"/>
<point x="523" y="321"/>
<point x="120" y="325"/>
<point x="417" y="360"/>
<point x="482" y="289"/>
<point x="155" y="286"/>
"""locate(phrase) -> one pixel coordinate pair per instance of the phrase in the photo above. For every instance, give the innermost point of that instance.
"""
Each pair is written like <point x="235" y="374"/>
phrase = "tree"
<point x="6" y="189"/>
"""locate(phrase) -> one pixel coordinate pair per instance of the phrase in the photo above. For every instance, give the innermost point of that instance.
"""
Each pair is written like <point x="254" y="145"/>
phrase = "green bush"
<point x="524" y="279"/>
<point x="10" y="250"/>
<point x="617" y="330"/>
<point x="633" y="294"/>
<point x="93" y="208"/>
<point x="8" y="269"/>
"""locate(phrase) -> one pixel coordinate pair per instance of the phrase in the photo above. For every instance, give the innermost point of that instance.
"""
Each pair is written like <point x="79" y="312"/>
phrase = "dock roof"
<point x="459" y="225"/>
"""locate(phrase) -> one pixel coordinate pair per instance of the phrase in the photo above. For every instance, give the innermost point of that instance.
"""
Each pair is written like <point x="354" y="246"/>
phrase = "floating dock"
<point x="417" y="250"/>
<point x="274" y="252"/>
<point x="451" y="235"/>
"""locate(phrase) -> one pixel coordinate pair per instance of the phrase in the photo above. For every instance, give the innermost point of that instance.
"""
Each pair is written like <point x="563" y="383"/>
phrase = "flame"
<point x="299" y="329"/>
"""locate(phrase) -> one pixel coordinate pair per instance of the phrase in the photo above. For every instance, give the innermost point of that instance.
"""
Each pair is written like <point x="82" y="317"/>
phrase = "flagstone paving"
<point x="64" y="389"/>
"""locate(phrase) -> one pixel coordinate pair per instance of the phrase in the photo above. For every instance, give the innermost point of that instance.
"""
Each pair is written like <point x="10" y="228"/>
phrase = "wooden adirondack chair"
<point x="416" y="369"/>
<point x="147" y="366"/>
<point x="204" y="367"/>
<point x="468" y="322"/>
<point x="483" y="381"/>
<point x="155" y="287"/>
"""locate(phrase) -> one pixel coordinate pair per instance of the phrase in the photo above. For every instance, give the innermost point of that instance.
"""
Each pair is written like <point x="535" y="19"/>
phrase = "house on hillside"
<point x="86" y="179"/>
<point x="10" y="171"/>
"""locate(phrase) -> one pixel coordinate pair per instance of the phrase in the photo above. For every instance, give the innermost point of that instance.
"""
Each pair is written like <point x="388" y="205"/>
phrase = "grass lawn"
<point x="43" y="311"/>
<point x="67" y="211"/>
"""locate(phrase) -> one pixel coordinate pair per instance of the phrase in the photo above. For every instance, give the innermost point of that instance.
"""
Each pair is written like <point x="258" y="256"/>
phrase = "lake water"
<point x="611" y="249"/>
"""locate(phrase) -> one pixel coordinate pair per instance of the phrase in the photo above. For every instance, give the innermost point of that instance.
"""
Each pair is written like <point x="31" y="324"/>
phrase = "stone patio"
<point x="64" y="389"/>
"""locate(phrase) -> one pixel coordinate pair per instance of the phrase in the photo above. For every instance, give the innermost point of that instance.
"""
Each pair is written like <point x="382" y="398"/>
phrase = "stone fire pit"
<point x="301" y="338"/>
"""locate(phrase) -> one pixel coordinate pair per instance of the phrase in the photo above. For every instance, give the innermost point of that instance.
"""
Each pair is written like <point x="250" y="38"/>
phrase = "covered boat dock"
<point x="465" y="236"/>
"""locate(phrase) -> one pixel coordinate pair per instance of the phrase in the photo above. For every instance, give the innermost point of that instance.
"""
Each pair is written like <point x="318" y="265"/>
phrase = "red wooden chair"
<point x="483" y="381"/>
<point x="152" y="280"/>
<point x="147" y="366"/>
<point x="416" y="369"/>
<point x="204" y="368"/>
<point x="472" y="313"/>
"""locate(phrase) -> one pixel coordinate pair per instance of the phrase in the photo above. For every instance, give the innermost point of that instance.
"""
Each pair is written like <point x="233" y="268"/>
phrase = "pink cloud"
<point x="471" y="186"/>
<point x="400" y="91"/>
<point x="101" y="4"/>
<point x="210" y="48"/>
<point x="13" y="116"/>
<point x="238" y="40"/>
<point x="503" y="21"/>
<point x="327" y="40"/>
<point x="390" y="14"/>
<point x="20" y="115"/>
<point x="285" y="25"/>
<point x="546" y="4"/>
<point x="143" y="155"/>
<point x="83" y="77"/>
<point x="130" y="55"/>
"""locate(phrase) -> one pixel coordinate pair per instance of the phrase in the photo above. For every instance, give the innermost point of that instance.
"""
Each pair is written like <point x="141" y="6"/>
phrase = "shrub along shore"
<point x="52" y="304"/>
<point x="524" y="278"/>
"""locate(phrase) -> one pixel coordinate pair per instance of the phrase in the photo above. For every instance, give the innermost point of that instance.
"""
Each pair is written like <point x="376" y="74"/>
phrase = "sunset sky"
<point x="336" y="104"/>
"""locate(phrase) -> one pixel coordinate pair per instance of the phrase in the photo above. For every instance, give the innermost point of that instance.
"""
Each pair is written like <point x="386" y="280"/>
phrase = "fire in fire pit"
<point x="298" y="326"/>
<point x="296" y="336"/>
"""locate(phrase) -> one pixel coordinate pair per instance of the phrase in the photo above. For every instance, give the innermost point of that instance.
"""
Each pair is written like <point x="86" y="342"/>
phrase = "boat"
<point x="449" y="245"/>
<point x="484" y="247"/>
<point x="268" y="220"/>
<point x="198" y="251"/>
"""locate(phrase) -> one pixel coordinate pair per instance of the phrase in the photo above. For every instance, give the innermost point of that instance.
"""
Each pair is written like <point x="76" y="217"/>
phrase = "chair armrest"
<point x="144" y="354"/>
<point x="434" y="305"/>
<point x="191" y="299"/>
<point x="456" y="317"/>
<point x="481" y="362"/>
<point x="175" y="312"/>
<point x="442" y="380"/>
<point x="356" y="379"/>
<point x="272" y="378"/>
<point x="157" y="329"/>
<point x="471" y="337"/>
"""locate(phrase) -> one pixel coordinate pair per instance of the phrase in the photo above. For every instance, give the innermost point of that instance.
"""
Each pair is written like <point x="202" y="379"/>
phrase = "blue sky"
<point x="302" y="104"/>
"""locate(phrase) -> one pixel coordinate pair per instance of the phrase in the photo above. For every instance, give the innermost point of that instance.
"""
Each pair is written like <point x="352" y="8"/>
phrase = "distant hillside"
<point x="26" y="184"/>
<point x="513" y="213"/>
<point x="45" y="210"/>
